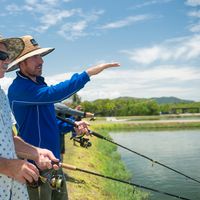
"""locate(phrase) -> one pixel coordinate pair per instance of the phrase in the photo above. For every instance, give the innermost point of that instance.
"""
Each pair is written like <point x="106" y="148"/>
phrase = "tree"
<point x="76" y="100"/>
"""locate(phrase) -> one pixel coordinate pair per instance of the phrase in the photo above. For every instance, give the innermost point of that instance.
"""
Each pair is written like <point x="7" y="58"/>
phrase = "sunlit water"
<point x="179" y="150"/>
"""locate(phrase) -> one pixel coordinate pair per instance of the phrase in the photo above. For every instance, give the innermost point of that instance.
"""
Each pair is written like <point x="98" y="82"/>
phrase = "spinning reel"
<point x="84" y="142"/>
<point x="51" y="177"/>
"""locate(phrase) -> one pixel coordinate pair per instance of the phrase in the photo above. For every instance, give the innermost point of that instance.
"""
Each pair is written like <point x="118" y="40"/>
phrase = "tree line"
<point x="128" y="106"/>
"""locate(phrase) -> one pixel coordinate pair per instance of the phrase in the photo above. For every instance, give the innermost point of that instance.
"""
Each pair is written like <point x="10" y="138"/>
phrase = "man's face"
<point x="3" y="63"/>
<point x="32" y="67"/>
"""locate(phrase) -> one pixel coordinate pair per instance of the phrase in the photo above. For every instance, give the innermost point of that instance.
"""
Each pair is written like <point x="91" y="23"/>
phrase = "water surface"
<point x="178" y="149"/>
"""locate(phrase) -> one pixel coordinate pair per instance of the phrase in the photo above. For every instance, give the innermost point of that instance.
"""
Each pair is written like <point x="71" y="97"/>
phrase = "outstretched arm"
<point x="99" y="68"/>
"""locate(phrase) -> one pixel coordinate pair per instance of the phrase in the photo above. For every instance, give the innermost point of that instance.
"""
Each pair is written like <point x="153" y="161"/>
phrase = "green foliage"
<point x="136" y="107"/>
<point x="122" y="107"/>
<point x="128" y="106"/>
<point x="76" y="100"/>
<point x="190" y="107"/>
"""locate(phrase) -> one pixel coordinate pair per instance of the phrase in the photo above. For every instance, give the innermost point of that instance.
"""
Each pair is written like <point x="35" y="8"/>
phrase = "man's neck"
<point x="33" y="78"/>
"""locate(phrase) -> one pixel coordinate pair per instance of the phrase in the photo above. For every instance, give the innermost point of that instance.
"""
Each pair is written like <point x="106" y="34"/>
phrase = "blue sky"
<point x="157" y="43"/>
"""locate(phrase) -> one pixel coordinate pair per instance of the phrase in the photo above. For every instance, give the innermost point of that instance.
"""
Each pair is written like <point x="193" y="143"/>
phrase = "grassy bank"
<point x="145" y="123"/>
<point x="102" y="158"/>
<point x="147" y="126"/>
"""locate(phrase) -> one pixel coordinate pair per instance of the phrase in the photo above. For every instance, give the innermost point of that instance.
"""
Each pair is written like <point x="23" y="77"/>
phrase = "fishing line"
<point x="128" y="149"/>
<point x="71" y="167"/>
<point x="146" y="157"/>
<point x="55" y="183"/>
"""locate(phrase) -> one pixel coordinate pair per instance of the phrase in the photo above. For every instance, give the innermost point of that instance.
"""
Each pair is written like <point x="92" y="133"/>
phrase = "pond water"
<point x="179" y="150"/>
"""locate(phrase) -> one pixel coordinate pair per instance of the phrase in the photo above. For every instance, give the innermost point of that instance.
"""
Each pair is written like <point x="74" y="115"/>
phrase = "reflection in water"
<point x="177" y="149"/>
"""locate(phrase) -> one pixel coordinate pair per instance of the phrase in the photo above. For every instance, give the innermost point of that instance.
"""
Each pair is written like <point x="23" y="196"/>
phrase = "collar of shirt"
<point x="39" y="79"/>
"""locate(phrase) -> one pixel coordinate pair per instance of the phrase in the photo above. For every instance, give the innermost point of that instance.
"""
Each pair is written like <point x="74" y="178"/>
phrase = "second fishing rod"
<point x="128" y="149"/>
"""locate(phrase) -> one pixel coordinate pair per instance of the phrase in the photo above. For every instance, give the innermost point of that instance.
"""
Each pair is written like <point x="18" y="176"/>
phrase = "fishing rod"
<point x="139" y="154"/>
<point x="142" y="155"/>
<point x="56" y="181"/>
<point x="72" y="167"/>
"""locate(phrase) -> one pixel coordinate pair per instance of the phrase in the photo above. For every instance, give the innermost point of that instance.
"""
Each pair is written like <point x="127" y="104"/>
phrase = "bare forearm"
<point x="19" y="170"/>
<point x="99" y="68"/>
<point x="42" y="157"/>
<point x="25" y="150"/>
<point x="4" y="166"/>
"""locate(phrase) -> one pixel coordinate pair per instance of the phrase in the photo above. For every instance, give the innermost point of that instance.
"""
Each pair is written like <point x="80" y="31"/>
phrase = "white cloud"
<point x="183" y="49"/>
<point x="148" y="3"/>
<point x="51" y="2"/>
<point x="195" y="28"/>
<point x="126" y="22"/>
<point x="194" y="14"/>
<point x="72" y="31"/>
<point x="75" y="30"/>
<point x="13" y="8"/>
<point x="193" y="2"/>
<point x="51" y="19"/>
<point x="164" y="80"/>
<point x="57" y="16"/>
<point x="52" y="80"/>
<point x="148" y="55"/>
<point x="69" y="23"/>
<point x="159" y="81"/>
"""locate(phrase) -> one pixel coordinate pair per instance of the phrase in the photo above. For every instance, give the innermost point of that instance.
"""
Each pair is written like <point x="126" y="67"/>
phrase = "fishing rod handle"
<point x="66" y="120"/>
<point x="74" y="124"/>
<point x="96" y="134"/>
<point x="67" y="166"/>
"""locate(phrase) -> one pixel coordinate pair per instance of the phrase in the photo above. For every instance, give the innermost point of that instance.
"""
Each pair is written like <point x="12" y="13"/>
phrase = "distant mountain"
<point x="159" y="100"/>
<point x="163" y="100"/>
<point x="129" y="98"/>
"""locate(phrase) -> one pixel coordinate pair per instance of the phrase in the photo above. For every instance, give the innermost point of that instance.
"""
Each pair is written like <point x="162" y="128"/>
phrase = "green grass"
<point x="161" y="126"/>
<point x="142" y="124"/>
<point x="102" y="158"/>
<point x="111" y="165"/>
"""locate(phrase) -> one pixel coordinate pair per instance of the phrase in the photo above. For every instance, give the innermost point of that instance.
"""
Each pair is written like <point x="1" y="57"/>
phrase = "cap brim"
<point x="41" y="51"/>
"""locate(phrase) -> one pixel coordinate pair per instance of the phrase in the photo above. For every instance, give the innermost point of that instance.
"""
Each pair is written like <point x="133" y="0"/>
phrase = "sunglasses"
<point x="3" y="55"/>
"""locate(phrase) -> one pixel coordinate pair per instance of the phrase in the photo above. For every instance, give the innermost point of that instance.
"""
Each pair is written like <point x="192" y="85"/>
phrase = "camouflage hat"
<point x="14" y="47"/>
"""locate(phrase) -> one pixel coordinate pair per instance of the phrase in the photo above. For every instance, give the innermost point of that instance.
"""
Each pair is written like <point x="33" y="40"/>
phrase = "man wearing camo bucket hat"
<point x="15" y="172"/>
<point x="33" y="104"/>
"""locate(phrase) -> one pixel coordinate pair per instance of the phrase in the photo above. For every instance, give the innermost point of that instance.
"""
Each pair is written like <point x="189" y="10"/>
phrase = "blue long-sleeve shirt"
<point x="65" y="127"/>
<point x="33" y="106"/>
